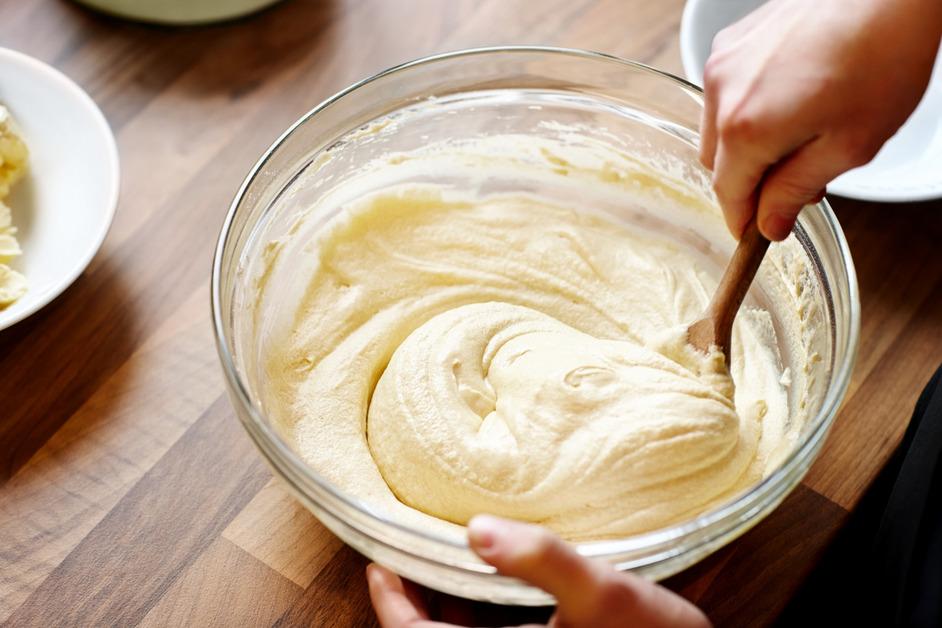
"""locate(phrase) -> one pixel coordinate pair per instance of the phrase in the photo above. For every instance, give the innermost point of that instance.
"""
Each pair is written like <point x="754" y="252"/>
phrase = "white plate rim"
<point x="111" y="165"/>
<point x="692" y="69"/>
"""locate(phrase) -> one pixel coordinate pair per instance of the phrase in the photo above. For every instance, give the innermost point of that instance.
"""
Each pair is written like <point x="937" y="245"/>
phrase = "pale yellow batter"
<point x="455" y="354"/>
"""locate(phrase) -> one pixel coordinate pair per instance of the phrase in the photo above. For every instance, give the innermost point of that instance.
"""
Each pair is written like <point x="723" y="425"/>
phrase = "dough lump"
<point x="456" y="354"/>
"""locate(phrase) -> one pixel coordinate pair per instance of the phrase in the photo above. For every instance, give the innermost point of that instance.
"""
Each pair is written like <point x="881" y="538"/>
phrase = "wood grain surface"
<point x="128" y="492"/>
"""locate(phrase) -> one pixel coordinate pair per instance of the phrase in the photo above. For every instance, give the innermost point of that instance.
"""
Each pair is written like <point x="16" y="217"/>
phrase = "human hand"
<point x="588" y="593"/>
<point x="799" y="91"/>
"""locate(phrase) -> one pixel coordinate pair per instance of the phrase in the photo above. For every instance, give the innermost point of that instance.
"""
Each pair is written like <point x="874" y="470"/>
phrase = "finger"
<point x="708" y="125"/>
<point x="588" y="593"/>
<point x="397" y="604"/>
<point x="736" y="175"/>
<point x="794" y="182"/>
<point x="533" y="554"/>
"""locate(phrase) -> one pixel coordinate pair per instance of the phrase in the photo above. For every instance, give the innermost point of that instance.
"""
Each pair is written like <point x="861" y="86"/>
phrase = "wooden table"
<point x="129" y="493"/>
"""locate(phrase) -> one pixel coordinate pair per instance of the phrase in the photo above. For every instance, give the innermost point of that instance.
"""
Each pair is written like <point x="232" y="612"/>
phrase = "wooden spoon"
<point x="715" y="328"/>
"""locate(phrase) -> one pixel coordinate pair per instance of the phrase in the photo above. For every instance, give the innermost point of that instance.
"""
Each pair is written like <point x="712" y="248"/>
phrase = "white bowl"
<point x="64" y="205"/>
<point x="179" y="11"/>
<point x="907" y="169"/>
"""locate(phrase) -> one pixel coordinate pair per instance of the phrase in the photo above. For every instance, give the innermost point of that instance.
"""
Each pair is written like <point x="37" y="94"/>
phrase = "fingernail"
<point x="776" y="227"/>
<point x="483" y="532"/>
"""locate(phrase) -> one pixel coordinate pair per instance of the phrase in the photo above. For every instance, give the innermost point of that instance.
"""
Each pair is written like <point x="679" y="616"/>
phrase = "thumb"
<point x="532" y="553"/>
<point x="791" y="184"/>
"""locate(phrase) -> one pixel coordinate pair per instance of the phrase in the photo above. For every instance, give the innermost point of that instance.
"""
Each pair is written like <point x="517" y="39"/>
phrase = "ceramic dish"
<point x="65" y="204"/>
<point x="907" y="169"/>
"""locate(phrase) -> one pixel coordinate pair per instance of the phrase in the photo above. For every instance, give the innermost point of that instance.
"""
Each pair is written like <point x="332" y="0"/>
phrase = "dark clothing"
<point x="885" y="568"/>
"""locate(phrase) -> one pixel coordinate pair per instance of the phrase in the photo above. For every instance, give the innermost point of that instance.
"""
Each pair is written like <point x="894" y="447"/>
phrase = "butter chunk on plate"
<point x="12" y="284"/>
<point x="54" y="218"/>
<point x="13" y="163"/>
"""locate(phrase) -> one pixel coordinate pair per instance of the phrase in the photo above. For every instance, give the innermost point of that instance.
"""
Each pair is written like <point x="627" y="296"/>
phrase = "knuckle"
<point x="858" y="149"/>
<point x="795" y="189"/>
<point x="715" y="71"/>
<point x="727" y="200"/>
<point x="721" y="40"/>
<point x="711" y="72"/>
<point x="740" y="125"/>
<point x="544" y="544"/>
<point x="705" y="160"/>
<point x="722" y="192"/>
<point x="729" y="194"/>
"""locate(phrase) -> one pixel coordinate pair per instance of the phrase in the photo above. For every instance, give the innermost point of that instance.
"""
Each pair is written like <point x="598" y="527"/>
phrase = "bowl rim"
<point x="265" y="437"/>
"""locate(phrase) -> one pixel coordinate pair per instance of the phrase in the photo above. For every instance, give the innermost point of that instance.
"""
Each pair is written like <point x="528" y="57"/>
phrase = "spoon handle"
<point x="735" y="283"/>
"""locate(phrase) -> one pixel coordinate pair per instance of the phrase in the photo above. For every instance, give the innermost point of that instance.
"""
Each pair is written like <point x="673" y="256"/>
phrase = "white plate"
<point x="64" y="205"/>
<point x="909" y="168"/>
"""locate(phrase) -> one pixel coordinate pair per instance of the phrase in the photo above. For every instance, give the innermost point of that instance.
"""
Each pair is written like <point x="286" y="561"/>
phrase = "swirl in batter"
<point x="502" y="354"/>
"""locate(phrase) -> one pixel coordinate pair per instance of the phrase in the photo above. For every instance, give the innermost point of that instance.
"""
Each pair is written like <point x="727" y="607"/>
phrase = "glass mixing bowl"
<point x="807" y="283"/>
